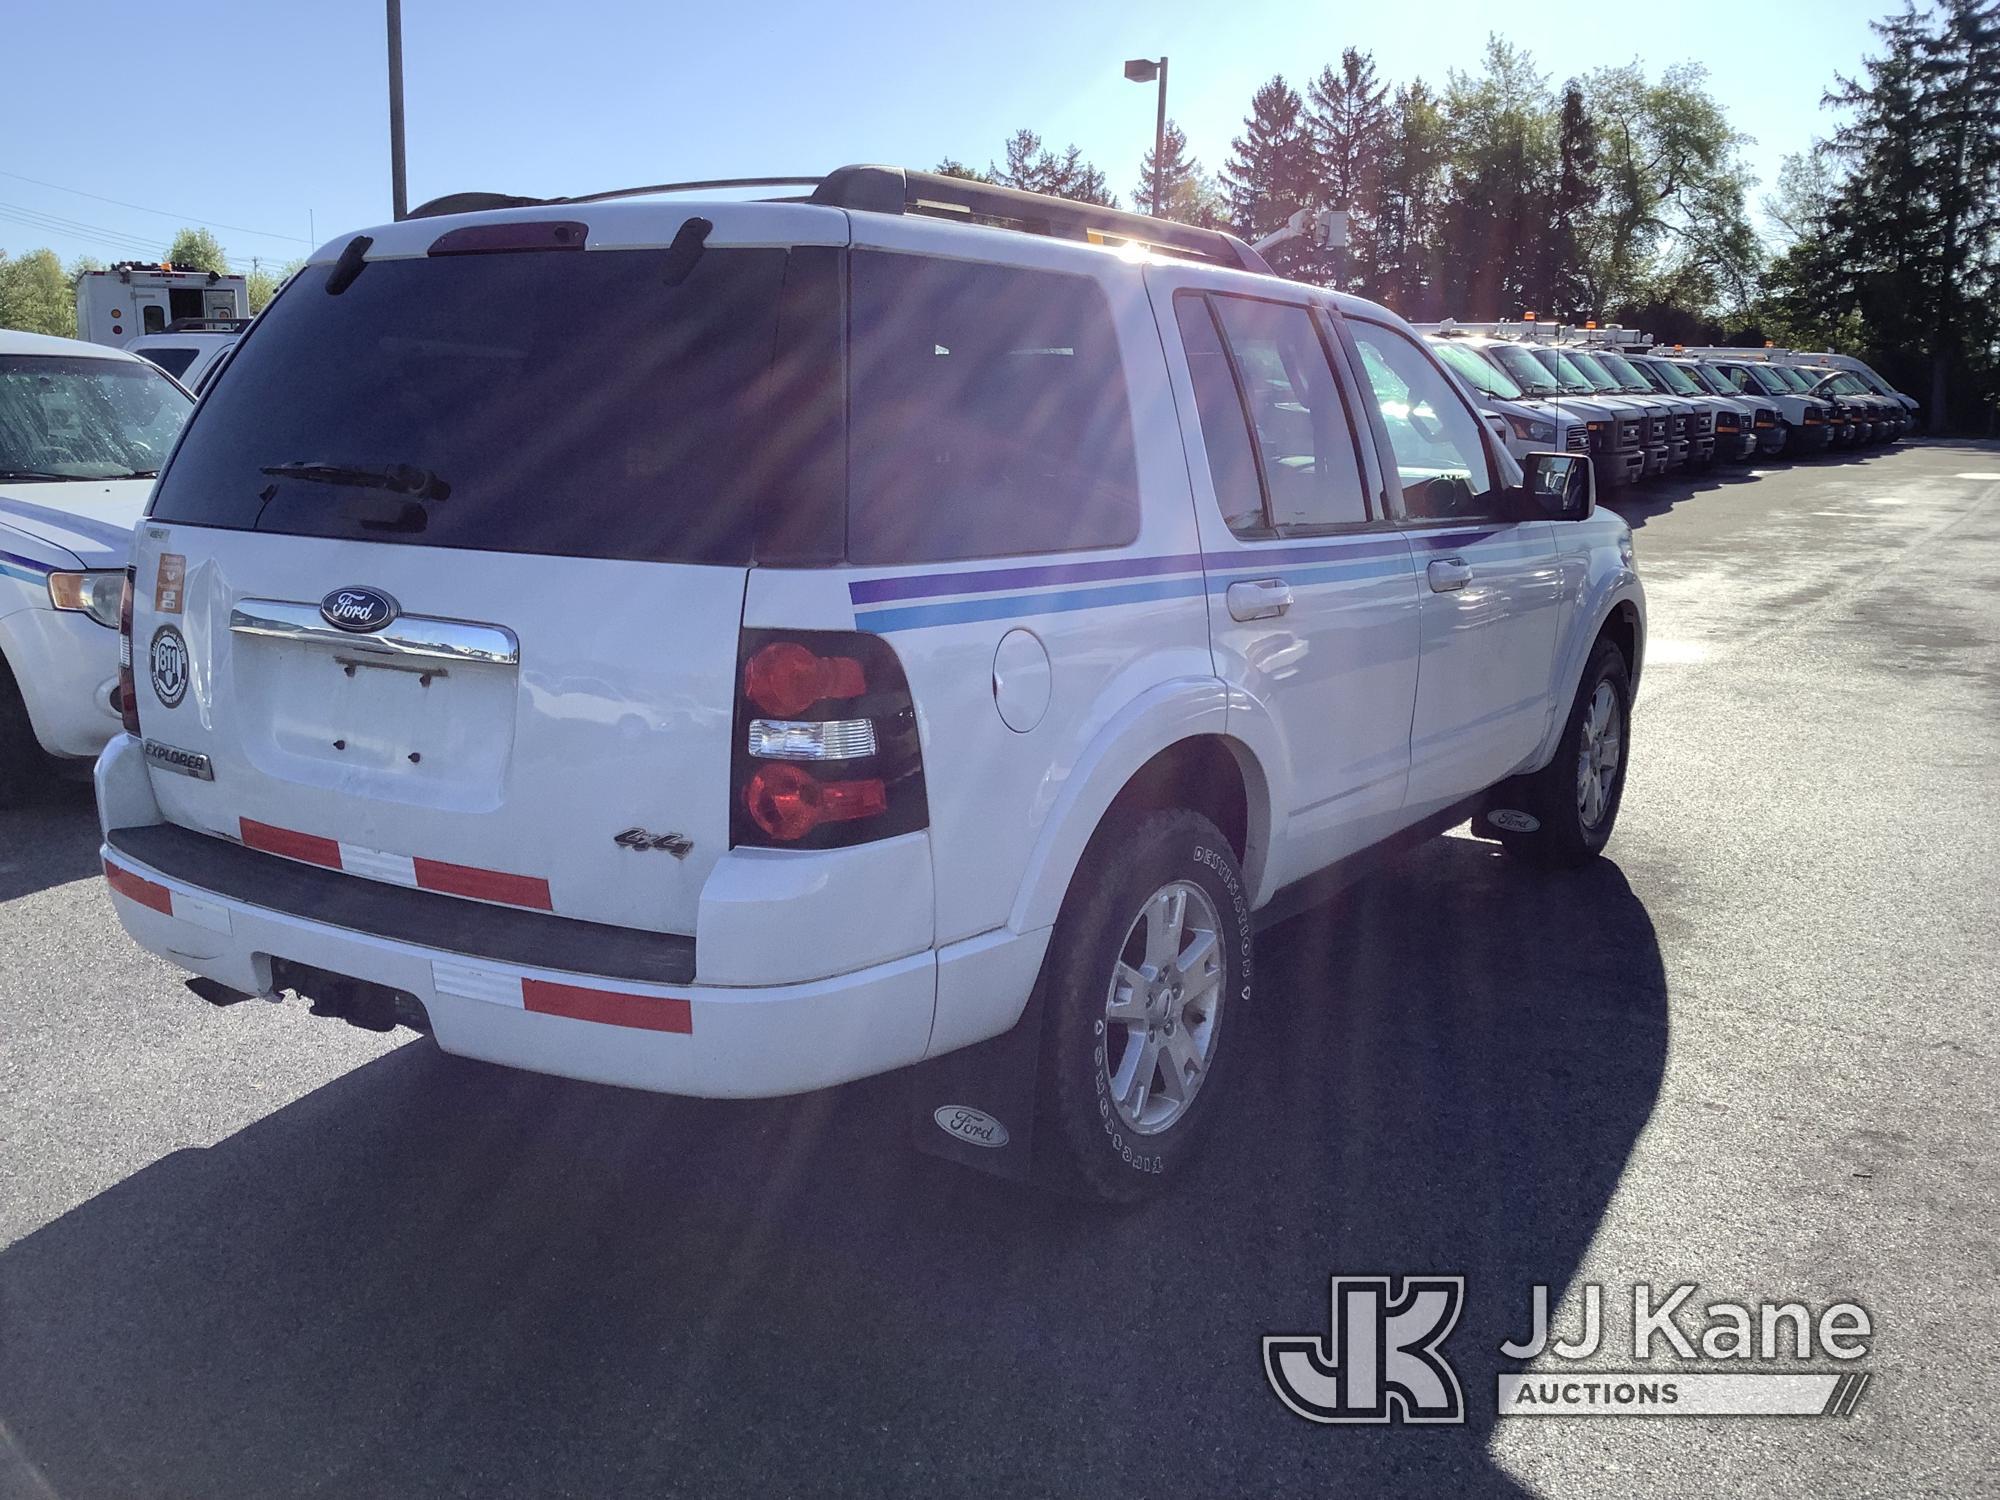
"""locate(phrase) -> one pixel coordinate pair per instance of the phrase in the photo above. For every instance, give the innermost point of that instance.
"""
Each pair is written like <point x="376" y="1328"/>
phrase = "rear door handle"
<point x="1448" y="573"/>
<point x="1259" y="599"/>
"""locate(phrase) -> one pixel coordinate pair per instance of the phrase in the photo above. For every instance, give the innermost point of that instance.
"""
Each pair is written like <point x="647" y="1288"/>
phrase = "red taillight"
<point x="826" y="752"/>
<point x="786" y="679"/>
<point x="788" y="802"/>
<point x="128" y="687"/>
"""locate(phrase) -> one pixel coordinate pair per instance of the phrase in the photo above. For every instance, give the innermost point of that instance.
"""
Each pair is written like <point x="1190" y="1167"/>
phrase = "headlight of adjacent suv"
<point x="1528" y="430"/>
<point x="93" y="594"/>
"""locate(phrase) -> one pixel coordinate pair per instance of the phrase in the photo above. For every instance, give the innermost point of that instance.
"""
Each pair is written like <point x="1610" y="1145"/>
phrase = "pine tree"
<point x="1410" y="204"/>
<point x="1189" y="197"/>
<point x="1271" y="175"/>
<point x="1347" y="121"/>
<point x="1573" y="198"/>
<point x="1061" y="174"/>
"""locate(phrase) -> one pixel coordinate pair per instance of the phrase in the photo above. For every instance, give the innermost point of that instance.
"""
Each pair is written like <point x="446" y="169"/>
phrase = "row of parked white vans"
<point x="1640" y="410"/>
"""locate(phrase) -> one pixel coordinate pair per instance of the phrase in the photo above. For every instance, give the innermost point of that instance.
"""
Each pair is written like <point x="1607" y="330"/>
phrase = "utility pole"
<point x="398" y="187"/>
<point x="1145" y="70"/>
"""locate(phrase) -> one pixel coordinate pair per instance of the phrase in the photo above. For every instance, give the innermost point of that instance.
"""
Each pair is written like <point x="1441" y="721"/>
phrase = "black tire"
<point x="1085" y="1144"/>
<point x="23" y="767"/>
<point x="1563" y="833"/>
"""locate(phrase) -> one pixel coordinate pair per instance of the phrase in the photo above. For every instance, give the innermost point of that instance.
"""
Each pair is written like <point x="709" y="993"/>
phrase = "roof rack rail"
<point x="892" y="190"/>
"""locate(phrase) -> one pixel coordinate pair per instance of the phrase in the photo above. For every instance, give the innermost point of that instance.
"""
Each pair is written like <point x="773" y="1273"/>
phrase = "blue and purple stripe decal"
<point x="13" y="565"/>
<point x="914" y="601"/>
<point x="95" y="543"/>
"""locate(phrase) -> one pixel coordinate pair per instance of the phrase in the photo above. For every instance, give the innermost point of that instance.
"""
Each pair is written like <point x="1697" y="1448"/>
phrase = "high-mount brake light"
<point x="785" y="679"/>
<point x="128" y="686"/>
<point x="827" y="753"/>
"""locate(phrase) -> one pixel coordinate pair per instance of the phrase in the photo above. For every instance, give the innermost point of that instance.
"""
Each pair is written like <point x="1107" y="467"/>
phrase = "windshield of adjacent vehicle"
<point x="1788" y="378"/>
<point x="1531" y="374"/>
<point x="1622" y="370"/>
<point x="74" y="417"/>
<point x="1676" y="378"/>
<point x="1476" y="372"/>
<point x="1573" y="379"/>
<point x="1588" y="372"/>
<point x="1712" y="379"/>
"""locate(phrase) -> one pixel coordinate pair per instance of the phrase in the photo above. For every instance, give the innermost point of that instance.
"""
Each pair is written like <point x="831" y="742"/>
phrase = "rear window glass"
<point x="173" y="361"/>
<point x="988" y="413"/>
<point x="576" y="404"/>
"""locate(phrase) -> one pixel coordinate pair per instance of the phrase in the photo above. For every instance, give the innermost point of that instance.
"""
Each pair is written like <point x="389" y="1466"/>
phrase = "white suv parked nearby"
<point x="731" y="648"/>
<point x="83" y="429"/>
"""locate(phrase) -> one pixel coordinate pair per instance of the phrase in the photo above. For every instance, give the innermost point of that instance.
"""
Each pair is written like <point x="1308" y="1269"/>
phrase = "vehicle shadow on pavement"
<point x="50" y="840"/>
<point x="1640" y="503"/>
<point x="432" y="1276"/>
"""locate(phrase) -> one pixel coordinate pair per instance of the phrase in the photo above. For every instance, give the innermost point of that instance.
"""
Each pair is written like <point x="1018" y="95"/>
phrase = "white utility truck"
<point x="134" y="297"/>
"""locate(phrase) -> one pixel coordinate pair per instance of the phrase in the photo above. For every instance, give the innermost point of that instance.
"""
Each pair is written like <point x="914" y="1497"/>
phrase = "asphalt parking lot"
<point x="247" y="1253"/>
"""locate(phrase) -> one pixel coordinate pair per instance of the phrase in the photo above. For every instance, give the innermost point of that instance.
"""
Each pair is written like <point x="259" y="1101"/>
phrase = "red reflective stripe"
<point x="647" y="1012"/>
<point x="136" y="888"/>
<point x="306" y="846"/>
<point x="483" y="885"/>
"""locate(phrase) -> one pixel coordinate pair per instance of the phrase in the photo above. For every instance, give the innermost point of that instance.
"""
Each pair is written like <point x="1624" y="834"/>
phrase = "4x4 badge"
<point x="679" y="845"/>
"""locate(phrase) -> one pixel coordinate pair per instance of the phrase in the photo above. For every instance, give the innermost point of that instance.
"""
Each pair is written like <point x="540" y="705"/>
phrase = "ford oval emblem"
<point x="973" y="1126"/>
<point x="358" y="609"/>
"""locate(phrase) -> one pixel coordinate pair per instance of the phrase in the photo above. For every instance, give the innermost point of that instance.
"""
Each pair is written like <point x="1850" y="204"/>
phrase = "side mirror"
<point x="1558" y="486"/>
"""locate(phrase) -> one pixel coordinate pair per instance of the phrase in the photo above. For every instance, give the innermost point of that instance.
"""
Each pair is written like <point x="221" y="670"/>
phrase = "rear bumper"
<point x="602" y="1010"/>
<point x="677" y="1039"/>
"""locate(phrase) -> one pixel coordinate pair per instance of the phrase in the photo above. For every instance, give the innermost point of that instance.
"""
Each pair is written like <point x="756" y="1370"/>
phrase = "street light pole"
<point x="1145" y="70"/>
<point x="398" y="186"/>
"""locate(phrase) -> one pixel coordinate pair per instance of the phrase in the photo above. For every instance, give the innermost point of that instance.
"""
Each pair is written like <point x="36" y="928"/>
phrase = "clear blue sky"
<point x="253" y="117"/>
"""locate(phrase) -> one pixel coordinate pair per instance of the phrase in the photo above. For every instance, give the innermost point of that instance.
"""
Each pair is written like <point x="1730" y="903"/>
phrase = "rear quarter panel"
<point x="1117" y="626"/>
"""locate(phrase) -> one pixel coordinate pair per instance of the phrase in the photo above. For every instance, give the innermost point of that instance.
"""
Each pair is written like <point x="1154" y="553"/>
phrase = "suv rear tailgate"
<point x="502" y="780"/>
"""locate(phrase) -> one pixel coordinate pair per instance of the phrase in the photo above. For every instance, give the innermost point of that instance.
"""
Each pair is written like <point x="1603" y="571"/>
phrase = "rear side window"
<point x="173" y="361"/>
<point x="592" y="404"/>
<point x="987" y="413"/>
<point x="1270" y="364"/>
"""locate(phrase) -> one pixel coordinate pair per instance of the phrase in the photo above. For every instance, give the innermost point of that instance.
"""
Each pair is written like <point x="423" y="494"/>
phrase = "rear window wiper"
<point x="403" y="479"/>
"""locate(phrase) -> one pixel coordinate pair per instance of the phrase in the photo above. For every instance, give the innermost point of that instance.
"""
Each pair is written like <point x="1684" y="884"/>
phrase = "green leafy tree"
<point x="1347" y="122"/>
<point x="1673" y="216"/>
<point x="1808" y="294"/>
<point x="262" y="284"/>
<point x="1190" y="197"/>
<point x="198" y="250"/>
<point x="1500" y="130"/>
<point x="35" y="294"/>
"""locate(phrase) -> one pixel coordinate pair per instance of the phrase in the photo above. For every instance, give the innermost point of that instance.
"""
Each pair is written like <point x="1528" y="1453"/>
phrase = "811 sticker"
<point x="168" y="660"/>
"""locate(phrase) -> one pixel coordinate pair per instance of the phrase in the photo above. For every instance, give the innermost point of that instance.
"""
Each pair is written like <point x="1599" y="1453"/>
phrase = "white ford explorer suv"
<point x="731" y="648"/>
<point x="83" y="429"/>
